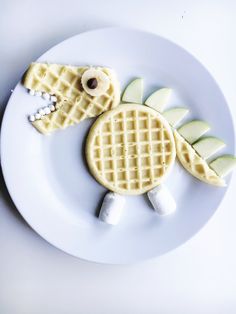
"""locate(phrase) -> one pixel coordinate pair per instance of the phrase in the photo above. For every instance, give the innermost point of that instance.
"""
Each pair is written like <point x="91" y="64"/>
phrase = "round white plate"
<point x="47" y="176"/>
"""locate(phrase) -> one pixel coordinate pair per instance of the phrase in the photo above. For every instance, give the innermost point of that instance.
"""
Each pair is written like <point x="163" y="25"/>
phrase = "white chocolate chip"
<point x="37" y="116"/>
<point x="41" y="111"/>
<point x="46" y="96"/>
<point x="52" y="107"/>
<point x="38" y="94"/>
<point x="31" y="92"/>
<point x="32" y="118"/>
<point x="47" y="110"/>
<point x="53" y="98"/>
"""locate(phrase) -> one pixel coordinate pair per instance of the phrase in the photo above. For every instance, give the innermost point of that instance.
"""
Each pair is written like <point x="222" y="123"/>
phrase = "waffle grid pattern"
<point x="131" y="150"/>
<point x="192" y="162"/>
<point x="74" y="104"/>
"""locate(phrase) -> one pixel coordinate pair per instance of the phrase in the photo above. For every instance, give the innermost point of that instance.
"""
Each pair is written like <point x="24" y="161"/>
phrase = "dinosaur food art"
<point x="131" y="147"/>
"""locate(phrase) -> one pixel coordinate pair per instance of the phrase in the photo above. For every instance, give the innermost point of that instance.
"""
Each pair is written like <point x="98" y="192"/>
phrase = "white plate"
<point x="48" y="179"/>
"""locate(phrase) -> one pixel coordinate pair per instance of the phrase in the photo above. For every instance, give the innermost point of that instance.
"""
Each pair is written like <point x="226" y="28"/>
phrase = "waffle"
<point x="195" y="164"/>
<point x="74" y="104"/>
<point x="130" y="149"/>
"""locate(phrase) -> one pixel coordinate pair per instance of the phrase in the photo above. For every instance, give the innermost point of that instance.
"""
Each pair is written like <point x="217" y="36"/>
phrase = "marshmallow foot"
<point x="112" y="208"/>
<point x="161" y="200"/>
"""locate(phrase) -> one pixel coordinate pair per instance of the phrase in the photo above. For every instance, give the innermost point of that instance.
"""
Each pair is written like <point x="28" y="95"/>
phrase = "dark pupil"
<point x="92" y="83"/>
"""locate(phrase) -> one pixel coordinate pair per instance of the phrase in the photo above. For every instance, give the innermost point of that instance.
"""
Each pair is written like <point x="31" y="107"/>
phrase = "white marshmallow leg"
<point x="162" y="201"/>
<point x="112" y="208"/>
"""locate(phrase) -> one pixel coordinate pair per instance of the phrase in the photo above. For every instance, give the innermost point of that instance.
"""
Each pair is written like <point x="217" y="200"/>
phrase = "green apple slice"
<point x="208" y="146"/>
<point x="223" y="165"/>
<point x="175" y="115"/>
<point x="159" y="99"/>
<point x="134" y="92"/>
<point x="193" y="130"/>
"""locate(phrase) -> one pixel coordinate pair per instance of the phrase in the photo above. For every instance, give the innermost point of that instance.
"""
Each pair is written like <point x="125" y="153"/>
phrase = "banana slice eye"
<point x="95" y="82"/>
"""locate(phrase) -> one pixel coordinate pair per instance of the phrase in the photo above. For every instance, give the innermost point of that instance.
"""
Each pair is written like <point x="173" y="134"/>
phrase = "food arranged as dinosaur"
<point x="131" y="147"/>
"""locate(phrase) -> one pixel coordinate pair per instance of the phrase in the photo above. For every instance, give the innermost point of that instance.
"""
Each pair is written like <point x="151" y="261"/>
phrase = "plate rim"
<point x="4" y="161"/>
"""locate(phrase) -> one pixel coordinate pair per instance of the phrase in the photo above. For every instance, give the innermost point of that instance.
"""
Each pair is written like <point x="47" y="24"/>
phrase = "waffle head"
<point x="81" y="93"/>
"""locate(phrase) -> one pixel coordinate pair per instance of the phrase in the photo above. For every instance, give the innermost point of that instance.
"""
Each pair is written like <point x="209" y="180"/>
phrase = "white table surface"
<point x="200" y="276"/>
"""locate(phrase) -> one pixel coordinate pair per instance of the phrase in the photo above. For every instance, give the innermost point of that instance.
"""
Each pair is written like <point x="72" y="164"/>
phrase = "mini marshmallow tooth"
<point x="52" y="107"/>
<point x="32" y="118"/>
<point x="37" y="116"/>
<point x="31" y="92"/>
<point x="46" y="96"/>
<point x="161" y="200"/>
<point x="53" y="98"/>
<point x="112" y="208"/>
<point x="38" y="94"/>
<point x="47" y="110"/>
<point x="41" y="111"/>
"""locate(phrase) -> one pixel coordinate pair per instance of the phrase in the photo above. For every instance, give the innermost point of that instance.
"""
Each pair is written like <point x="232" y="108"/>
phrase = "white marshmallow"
<point x="112" y="208"/>
<point x="32" y="118"/>
<point x="53" y="98"/>
<point x="46" y="96"/>
<point x="47" y="110"/>
<point x="31" y="92"/>
<point x="162" y="201"/>
<point x="37" y="116"/>
<point x="38" y="94"/>
<point x="42" y="112"/>
<point x="52" y="107"/>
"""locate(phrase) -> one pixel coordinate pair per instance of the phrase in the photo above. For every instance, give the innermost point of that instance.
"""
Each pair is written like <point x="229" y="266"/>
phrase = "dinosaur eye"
<point x="92" y="83"/>
<point x="95" y="82"/>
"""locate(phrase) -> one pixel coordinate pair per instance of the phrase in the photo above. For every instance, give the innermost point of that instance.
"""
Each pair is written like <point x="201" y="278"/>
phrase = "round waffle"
<point x="130" y="149"/>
